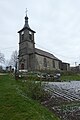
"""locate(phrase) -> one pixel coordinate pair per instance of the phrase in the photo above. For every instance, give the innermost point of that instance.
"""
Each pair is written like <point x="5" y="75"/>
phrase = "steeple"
<point x="26" y="25"/>
<point x="26" y="20"/>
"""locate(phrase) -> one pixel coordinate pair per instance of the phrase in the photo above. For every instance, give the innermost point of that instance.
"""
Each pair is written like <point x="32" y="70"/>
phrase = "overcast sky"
<point x="56" y="22"/>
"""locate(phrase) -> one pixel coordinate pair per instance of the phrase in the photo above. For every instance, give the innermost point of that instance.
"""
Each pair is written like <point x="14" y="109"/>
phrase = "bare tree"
<point x="2" y="59"/>
<point x="13" y="59"/>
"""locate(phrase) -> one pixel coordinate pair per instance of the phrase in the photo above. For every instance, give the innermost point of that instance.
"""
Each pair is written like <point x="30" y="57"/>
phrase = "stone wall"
<point x="39" y="63"/>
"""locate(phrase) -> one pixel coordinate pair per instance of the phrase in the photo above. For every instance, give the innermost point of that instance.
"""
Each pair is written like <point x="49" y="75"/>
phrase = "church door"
<point x="22" y="66"/>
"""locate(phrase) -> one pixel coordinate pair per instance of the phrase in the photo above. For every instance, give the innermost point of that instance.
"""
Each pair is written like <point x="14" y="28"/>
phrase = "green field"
<point x="15" y="106"/>
<point x="70" y="77"/>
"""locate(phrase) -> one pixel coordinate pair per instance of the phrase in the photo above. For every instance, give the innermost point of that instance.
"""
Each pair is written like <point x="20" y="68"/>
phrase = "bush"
<point x="35" y="90"/>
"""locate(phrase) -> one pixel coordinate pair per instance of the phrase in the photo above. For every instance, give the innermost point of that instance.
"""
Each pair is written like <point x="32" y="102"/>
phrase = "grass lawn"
<point x="70" y="77"/>
<point x="14" y="106"/>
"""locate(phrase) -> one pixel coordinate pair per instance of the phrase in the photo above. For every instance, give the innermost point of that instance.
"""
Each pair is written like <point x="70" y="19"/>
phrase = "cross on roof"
<point x="26" y="11"/>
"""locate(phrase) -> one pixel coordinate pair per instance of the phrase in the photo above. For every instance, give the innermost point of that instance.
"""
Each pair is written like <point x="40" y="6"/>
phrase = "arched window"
<point x="30" y="35"/>
<point x="53" y="64"/>
<point x="22" y="35"/>
<point x="22" y="66"/>
<point x="45" y="62"/>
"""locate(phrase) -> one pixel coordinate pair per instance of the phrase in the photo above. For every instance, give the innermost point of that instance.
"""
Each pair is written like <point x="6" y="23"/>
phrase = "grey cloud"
<point x="56" y="22"/>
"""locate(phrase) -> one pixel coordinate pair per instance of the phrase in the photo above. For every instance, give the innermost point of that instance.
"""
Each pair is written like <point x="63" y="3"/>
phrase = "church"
<point x="31" y="58"/>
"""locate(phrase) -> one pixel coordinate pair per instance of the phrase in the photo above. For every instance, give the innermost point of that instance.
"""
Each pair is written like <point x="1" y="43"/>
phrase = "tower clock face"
<point x="22" y="32"/>
<point x="30" y="32"/>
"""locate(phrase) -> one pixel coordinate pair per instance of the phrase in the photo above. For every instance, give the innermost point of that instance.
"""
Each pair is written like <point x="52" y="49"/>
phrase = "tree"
<point x="13" y="59"/>
<point x="2" y="59"/>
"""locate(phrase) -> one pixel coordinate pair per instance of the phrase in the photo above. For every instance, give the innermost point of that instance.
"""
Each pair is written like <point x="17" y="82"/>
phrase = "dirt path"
<point x="3" y="73"/>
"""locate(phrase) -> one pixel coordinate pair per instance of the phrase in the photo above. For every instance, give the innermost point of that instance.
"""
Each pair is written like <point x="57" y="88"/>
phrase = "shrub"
<point x="35" y="90"/>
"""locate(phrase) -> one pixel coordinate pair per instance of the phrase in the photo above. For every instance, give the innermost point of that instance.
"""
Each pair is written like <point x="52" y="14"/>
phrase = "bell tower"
<point x="26" y="47"/>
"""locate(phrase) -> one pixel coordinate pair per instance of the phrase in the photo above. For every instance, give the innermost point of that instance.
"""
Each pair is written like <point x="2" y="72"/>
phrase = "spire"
<point x="26" y="19"/>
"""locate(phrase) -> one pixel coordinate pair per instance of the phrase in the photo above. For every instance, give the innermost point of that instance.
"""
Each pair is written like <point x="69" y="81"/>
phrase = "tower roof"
<point x="26" y="25"/>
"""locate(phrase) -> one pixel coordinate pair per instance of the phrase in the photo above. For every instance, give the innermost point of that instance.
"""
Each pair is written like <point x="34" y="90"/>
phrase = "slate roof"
<point x="26" y="28"/>
<point x="46" y="54"/>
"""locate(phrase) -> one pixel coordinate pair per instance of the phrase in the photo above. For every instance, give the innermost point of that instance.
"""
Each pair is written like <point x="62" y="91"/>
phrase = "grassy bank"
<point x="70" y="77"/>
<point x="15" y="106"/>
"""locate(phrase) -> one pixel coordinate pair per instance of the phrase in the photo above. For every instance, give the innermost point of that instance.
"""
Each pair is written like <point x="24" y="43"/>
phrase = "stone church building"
<point x="31" y="58"/>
